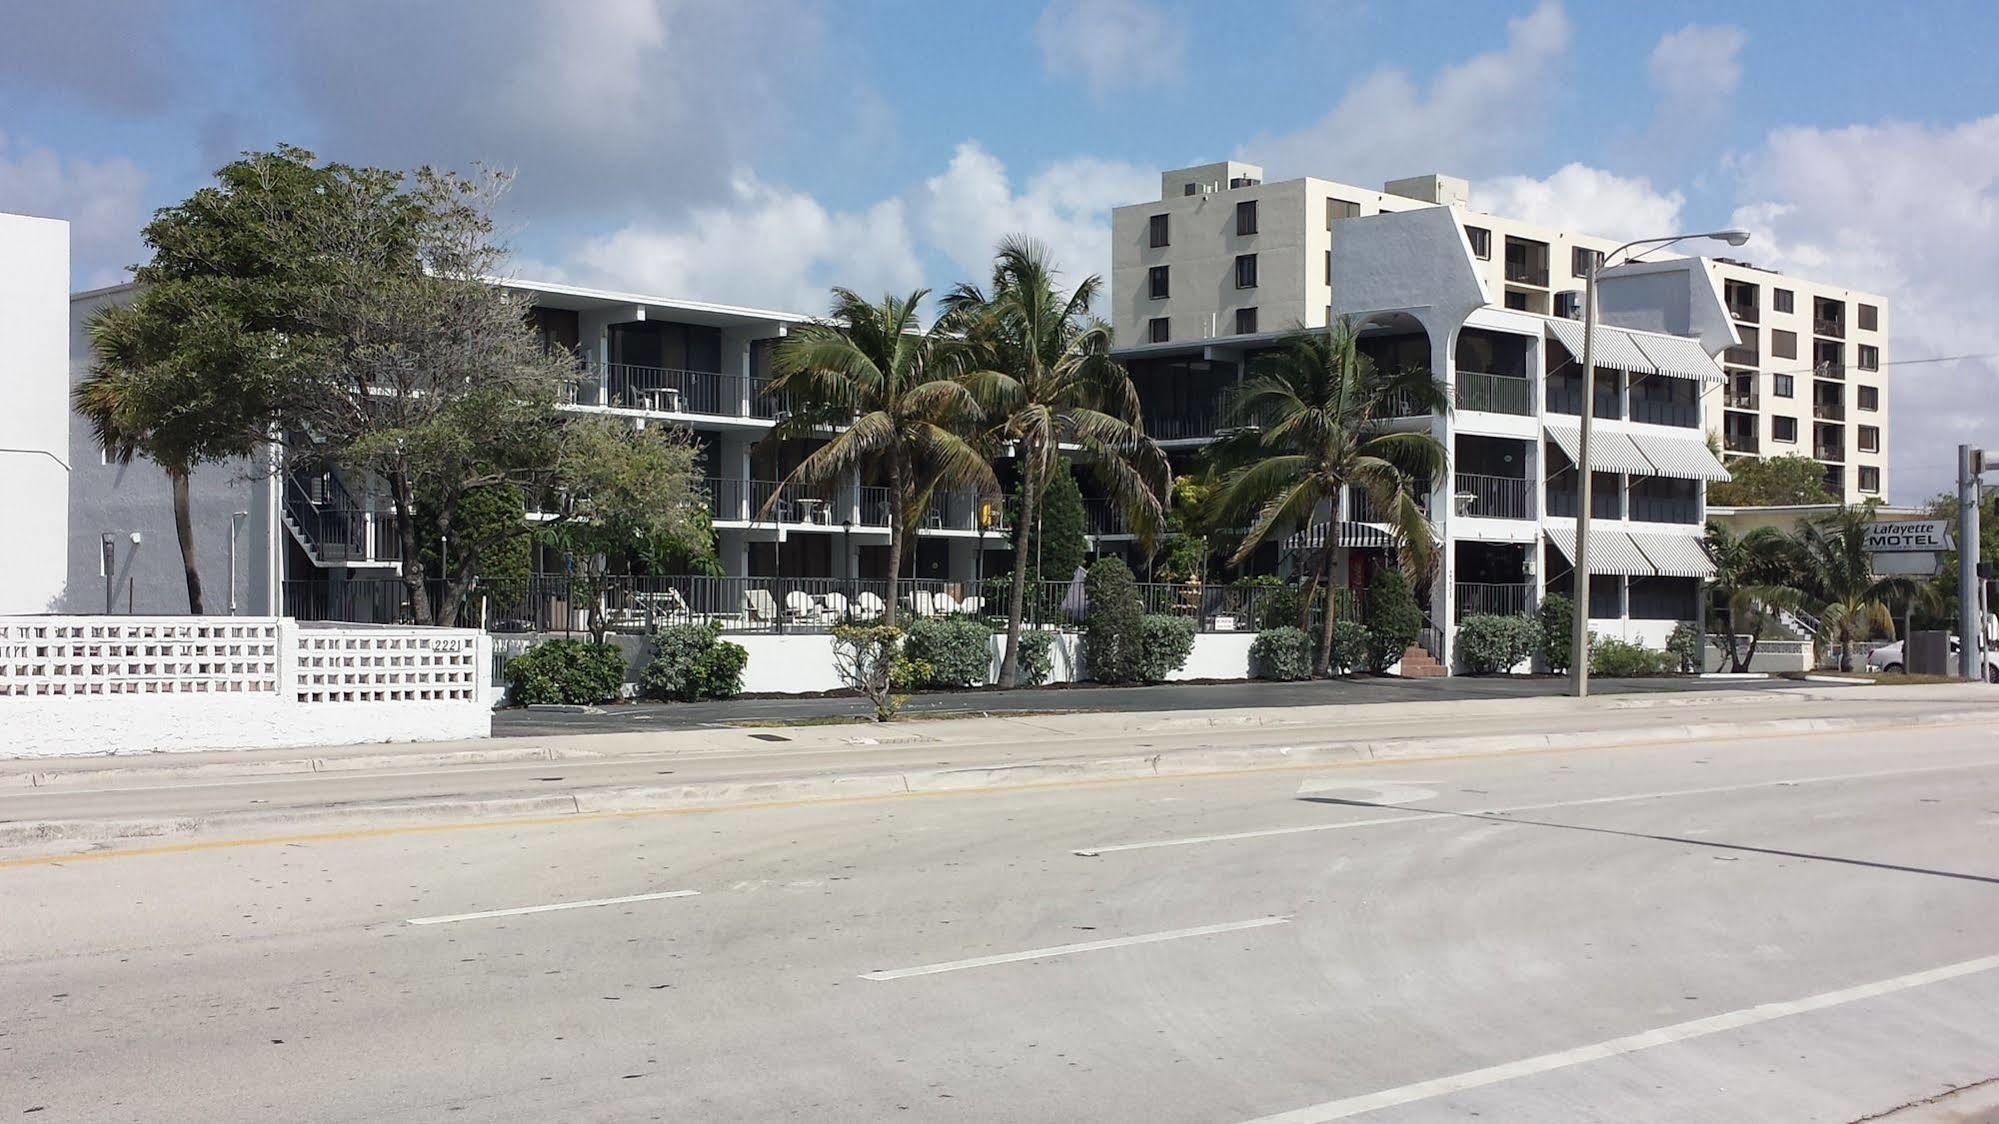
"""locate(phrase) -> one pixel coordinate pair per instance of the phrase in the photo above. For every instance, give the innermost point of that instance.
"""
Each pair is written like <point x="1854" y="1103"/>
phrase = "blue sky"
<point x="757" y="151"/>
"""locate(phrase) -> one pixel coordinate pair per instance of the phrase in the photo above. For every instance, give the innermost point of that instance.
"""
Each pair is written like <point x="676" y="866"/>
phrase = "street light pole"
<point x="1579" y="650"/>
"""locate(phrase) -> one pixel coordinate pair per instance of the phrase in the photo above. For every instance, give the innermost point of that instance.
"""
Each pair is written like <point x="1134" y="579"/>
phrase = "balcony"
<point x="1665" y="411"/>
<point x="1605" y="501"/>
<point x="1829" y="411"/>
<point x="1495" y="394"/>
<point x="1504" y="598"/>
<point x="1739" y="399"/>
<point x="1664" y="509"/>
<point x="1735" y="442"/>
<point x="1830" y="369"/>
<point x="333" y="528"/>
<point x="1521" y="273"/>
<point x="1566" y="397"/>
<point x="963" y="509"/>
<point x="811" y="505"/>
<point x="1828" y="452"/>
<point x="1742" y="355"/>
<point x="1102" y="517"/>
<point x="1830" y="326"/>
<point x="668" y="390"/>
<point x="1495" y="497"/>
<point x="1527" y="262"/>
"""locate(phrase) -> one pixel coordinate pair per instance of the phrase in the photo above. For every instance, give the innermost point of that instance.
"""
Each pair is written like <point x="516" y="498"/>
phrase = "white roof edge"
<point x="102" y="290"/>
<point x="620" y="297"/>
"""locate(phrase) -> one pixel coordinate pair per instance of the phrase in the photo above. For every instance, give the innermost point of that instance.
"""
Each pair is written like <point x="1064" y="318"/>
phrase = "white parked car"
<point x="1888" y="657"/>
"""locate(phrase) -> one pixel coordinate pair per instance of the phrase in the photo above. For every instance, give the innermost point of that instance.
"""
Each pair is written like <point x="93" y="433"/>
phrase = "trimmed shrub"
<point x="956" y="650"/>
<point x="1558" y="636"/>
<point x="1034" y="664"/>
<point x="1276" y="603"/>
<point x="1113" y="636"/>
<point x="692" y="662"/>
<point x="1393" y="619"/>
<point x="1349" y="646"/>
<point x="572" y="672"/>
<point x="1165" y="642"/>
<point x="1495" y="642"/>
<point x="1609" y="656"/>
<point x="1281" y="653"/>
<point x="1684" y="645"/>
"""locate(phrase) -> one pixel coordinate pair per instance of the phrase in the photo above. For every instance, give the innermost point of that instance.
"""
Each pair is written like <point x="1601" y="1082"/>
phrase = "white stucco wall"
<point x="34" y="425"/>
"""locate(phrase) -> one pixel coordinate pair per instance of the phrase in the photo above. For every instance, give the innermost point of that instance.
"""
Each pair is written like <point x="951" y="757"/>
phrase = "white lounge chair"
<point x="868" y="606"/>
<point x="800" y="607"/>
<point x="836" y="605"/>
<point x="972" y="606"/>
<point x="921" y="603"/>
<point x="943" y="604"/>
<point x="759" y="606"/>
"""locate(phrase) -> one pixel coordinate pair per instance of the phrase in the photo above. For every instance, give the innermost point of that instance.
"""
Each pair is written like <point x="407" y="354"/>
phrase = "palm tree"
<point x="888" y="393"/>
<point x="1047" y="381"/>
<point x="1313" y="418"/>
<point x="1833" y="564"/>
<point x="1754" y="579"/>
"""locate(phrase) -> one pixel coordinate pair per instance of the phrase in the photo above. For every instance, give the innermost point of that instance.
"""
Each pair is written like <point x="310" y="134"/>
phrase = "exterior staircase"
<point x="1420" y="664"/>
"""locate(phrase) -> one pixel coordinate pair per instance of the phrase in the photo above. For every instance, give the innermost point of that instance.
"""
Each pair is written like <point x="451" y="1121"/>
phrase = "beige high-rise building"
<point x="1223" y="256"/>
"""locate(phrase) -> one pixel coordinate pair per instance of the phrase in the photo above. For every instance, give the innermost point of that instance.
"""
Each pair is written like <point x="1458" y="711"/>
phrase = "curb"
<point x="499" y="755"/>
<point x="1030" y="774"/>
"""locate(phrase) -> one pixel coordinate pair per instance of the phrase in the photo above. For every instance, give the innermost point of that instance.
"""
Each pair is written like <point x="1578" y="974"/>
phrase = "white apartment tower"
<point x="1223" y="255"/>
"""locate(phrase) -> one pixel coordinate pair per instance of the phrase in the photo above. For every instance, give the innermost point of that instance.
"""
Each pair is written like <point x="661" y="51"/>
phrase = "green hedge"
<point x="1617" y="659"/>
<point x="1281" y="653"/>
<point x="1349" y="646"/>
<point x="1393" y="619"/>
<point x="1495" y="642"/>
<point x="575" y="672"/>
<point x="956" y="651"/>
<point x="1113" y="633"/>
<point x="1558" y="637"/>
<point x="1165" y="642"/>
<point x="1034" y="664"/>
<point x="692" y="662"/>
<point x="1684" y="645"/>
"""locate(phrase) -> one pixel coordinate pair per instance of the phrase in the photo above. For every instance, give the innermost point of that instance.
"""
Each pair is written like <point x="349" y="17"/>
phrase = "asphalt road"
<point x="622" y="718"/>
<point x="1797" y="929"/>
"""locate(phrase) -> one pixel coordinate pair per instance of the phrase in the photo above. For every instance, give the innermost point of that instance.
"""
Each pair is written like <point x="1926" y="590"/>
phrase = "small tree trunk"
<point x="1323" y="665"/>
<point x="1744" y="663"/>
<point x="184" y="531"/>
<point x="399" y="486"/>
<point x="1016" y="600"/>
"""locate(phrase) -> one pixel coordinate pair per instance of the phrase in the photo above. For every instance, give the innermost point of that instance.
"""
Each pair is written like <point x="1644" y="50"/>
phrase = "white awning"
<point x="1614" y="346"/>
<point x="1673" y="556"/>
<point x="1352" y="535"/>
<point x="1678" y="356"/>
<point x="1610" y="450"/>
<point x="1610" y="552"/>
<point x="1683" y="458"/>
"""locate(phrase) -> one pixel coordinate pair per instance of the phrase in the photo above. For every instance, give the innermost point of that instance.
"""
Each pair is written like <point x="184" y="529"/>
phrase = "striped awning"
<point x="1610" y="450"/>
<point x="1678" y="356"/>
<point x="1674" y="556"/>
<point x="1614" y="346"/>
<point x="1610" y="552"/>
<point x="1352" y="536"/>
<point x="1683" y="458"/>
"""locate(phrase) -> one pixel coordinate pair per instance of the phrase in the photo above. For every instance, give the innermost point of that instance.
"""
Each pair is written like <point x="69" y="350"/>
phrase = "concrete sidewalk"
<point x="56" y="805"/>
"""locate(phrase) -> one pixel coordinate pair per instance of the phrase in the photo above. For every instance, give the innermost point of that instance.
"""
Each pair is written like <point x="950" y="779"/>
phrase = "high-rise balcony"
<point x="1495" y="394"/>
<point x="1495" y="497"/>
<point x="1739" y="441"/>
<point x="1828" y="451"/>
<point x="669" y="390"/>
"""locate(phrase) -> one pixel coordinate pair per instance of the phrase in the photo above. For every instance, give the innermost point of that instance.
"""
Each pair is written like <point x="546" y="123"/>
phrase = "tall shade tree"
<point x="1852" y="604"/>
<point x="1312" y="419"/>
<point x="1047" y="380"/>
<point x="885" y="396"/>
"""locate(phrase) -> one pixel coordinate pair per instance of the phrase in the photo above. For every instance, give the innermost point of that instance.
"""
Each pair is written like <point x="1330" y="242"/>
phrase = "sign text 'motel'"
<point x="1922" y="536"/>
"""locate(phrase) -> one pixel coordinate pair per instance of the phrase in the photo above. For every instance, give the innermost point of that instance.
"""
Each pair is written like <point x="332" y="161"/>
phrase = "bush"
<point x="1609" y="656"/>
<point x="1684" y="646"/>
<point x="1113" y="633"/>
<point x="692" y="662"/>
<point x="1034" y="665"/>
<point x="1276" y="603"/>
<point x="868" y="657"/>
<point x="1495" y="642"/>
<point x="1349" y="645"/>
<point x="573" y="672"/>
<point x="1558" y="636"/>
<point x="1393" y="620"/>
<point x="1165" y="642"/>
<point x="1281" y="653"/>
<point x="957" y="651"/>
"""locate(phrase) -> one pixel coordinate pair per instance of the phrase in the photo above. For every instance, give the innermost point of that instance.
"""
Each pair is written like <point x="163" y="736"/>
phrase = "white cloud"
<point x="1910" y="212"/>
<point x="104" y="201"/>
<point x="1697" y="69"/>
<point x="768" y="247"/>
<point x="965" y="210"/>
<point x="1582" y="198"/>
<point x="1481" y="114"/>
<point x="1110" y="44"/>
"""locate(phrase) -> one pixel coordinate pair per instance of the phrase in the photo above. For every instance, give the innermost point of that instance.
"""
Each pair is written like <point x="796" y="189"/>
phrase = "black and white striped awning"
<point x="1645" y="353"/>
<point x="1351" y="536"/>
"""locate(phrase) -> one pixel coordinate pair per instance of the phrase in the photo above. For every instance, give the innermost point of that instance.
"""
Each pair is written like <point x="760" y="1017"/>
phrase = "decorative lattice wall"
<point x="55" y="656"/>
<point x="385" y="665"/>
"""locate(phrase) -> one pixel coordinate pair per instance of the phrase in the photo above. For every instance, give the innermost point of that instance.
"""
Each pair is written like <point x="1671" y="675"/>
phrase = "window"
<point x="1870" y="397"/>
<point x="1741" y="299"/>
<point x="1516" y="301"/>
<point x="1783" y="344"/>
<point x="1245" y="217"/>
<point x="1245" y="321"/>
<point x="1159" y="231"/>
<point x="1245" y="271"/>
<point x="1870" y="439"/>
<point x="1157" y="330"/>
<point x="1329" y="267"/>
<point x="1192" y="189"/>
<point x="1782" y="300"/>
<point x="1481" y="241"/>
<point x="1337" y="209"/>
<point x="1870" y="318"/>
<point x="1870" y="478"/>
<point x="1781" y="386"/>
<point x="1581" y="260"/>
<point x="1568" y="305"/>
<point x="1870" y="357"/>
<point x="1155" y="279"/>
<point x="1784" y="429"/>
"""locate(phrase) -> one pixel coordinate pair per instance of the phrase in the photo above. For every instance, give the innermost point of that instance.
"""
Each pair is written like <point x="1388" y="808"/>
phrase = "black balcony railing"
<point x="1664" y="509"/>
<point x="669" y="390"/>
<point x="1104" y="517"/>
<point x="1604" y="503"/>
<point x="1495" y="394"/>
<point x="1658" y="411"/>
<point x="1506" y="598"/>
<point x="1495" y="497"/>
<point x="1739" y="442"/>
<point x="335" y="527"/>
<point x="1567" y="398"/>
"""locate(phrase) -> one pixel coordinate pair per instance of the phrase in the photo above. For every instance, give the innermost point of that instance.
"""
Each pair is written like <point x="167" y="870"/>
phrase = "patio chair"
<point x="836" y="606"/>
<point x="759" y="606"/>
<point x="868" y="606"/>
<point x="799" y="607"/>
<point x="943" y="604"/>
<point x="972" y="605"/>
<point x="921" y="603"/>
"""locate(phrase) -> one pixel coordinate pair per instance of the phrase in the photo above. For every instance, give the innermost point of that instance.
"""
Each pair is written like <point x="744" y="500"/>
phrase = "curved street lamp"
<point x="1579" y="658"/>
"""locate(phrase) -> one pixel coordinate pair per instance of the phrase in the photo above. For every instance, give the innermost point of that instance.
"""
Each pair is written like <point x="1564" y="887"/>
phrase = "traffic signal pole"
<point x="1970" y="589"/>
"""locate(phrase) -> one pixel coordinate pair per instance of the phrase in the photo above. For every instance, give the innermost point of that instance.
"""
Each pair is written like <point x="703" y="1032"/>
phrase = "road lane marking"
<point x="1631" y="1043"/>
<point x="1416" y="811"/>
<point x="1071" y="949"/>
<point x="447" y="918"/>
